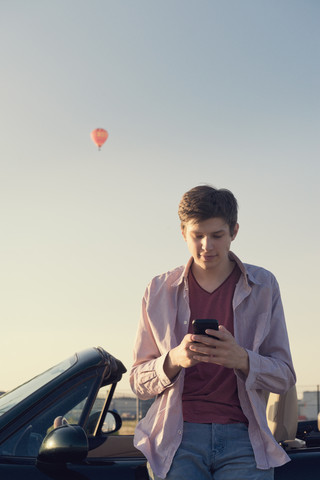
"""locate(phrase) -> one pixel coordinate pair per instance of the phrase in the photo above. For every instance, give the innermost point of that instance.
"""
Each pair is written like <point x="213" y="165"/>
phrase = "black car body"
<point x="81" y="446"/>
<point x="59" y="426"/>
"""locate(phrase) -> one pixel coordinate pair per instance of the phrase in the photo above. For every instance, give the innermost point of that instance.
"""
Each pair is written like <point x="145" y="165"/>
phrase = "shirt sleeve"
<point x="147" y="376"/>
<point x="271" y="367"/>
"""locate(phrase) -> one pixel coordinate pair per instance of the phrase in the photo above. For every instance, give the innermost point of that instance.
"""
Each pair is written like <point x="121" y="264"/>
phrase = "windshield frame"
<point x="11" y="399"/>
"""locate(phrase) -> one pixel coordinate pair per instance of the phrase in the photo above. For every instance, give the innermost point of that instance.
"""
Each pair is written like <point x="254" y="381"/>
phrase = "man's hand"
<point x="180" y="357"/>
<point x="222" y="350"/>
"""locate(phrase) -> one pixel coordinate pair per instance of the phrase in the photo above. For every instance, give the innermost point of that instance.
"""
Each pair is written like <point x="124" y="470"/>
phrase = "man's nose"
<point x="207" y="243"/>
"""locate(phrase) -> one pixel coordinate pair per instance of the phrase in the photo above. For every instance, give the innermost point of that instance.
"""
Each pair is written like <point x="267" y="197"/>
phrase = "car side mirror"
<point x="112" y="422"/>
<point x="68" y="443"/>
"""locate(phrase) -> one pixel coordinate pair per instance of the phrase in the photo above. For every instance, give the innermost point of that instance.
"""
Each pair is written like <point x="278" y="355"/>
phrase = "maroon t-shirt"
<point x="210" y="391"/>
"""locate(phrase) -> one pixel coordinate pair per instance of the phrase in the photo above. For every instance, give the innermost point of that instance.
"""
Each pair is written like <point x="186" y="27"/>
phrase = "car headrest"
<point x="282" y="415"/>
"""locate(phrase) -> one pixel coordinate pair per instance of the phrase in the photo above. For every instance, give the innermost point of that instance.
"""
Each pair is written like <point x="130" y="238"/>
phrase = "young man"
<point x="208" y="420"/>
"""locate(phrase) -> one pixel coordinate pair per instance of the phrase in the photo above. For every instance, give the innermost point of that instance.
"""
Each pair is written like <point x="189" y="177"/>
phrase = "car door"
<point x="29" y="469"/>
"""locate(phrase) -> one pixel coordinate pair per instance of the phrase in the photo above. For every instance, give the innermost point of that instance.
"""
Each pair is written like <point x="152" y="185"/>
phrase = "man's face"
<point x="209" y="242"/>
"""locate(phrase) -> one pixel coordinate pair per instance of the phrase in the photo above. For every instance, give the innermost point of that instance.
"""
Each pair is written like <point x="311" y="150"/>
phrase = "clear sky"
<point x="191" y="92"/>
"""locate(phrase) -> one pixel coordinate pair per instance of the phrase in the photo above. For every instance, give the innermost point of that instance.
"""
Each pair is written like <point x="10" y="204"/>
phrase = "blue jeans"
<point x="214" y="451"/>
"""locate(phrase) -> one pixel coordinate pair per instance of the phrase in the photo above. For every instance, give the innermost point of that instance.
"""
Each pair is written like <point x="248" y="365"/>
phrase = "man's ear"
<point x="235" y="231"/>
<point x="183" y="231"/>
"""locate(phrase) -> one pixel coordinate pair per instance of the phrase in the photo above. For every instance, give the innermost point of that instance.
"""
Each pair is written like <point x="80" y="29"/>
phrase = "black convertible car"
<point x="59" y="426"/>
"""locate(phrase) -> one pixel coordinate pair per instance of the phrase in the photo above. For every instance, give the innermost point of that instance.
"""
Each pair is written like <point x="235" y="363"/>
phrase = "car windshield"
<point x="10" y="399"/>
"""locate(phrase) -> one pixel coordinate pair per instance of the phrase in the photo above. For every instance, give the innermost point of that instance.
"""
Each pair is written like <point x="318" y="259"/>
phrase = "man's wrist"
<point x="244" y="363"/>
<point x="170" y="367"/>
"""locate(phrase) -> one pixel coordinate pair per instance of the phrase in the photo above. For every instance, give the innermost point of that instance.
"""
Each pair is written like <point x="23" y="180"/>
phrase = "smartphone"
<point x="200" y="325"/>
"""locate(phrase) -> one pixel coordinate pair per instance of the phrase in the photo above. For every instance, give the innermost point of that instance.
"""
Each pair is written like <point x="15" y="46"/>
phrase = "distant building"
<point x="309" y="405"/>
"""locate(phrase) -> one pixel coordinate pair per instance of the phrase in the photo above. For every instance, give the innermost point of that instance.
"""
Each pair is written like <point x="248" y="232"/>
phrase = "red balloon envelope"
<point x="99" y="136"/>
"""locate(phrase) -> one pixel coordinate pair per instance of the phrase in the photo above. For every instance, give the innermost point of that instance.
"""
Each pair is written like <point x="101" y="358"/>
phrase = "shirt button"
<point x="179" y="432"/>
<point x="185" y="322"/>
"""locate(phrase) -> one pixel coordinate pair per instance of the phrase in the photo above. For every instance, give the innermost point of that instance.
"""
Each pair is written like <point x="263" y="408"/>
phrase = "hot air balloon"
<point x="99" y="136"/>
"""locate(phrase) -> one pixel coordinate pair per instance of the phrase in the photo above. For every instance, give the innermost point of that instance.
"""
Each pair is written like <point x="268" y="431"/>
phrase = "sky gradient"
<point x="191" y="92"/>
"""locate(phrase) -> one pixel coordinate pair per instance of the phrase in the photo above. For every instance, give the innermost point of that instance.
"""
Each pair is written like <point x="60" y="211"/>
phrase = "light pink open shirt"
<point x="259" y="327"/>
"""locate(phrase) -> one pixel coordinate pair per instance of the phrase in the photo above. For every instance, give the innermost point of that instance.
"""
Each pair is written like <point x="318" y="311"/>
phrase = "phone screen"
<point x="200" y="325"/>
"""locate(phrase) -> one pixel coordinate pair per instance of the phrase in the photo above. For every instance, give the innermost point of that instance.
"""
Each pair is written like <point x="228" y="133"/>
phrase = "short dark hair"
<point x="204" y="202"/>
